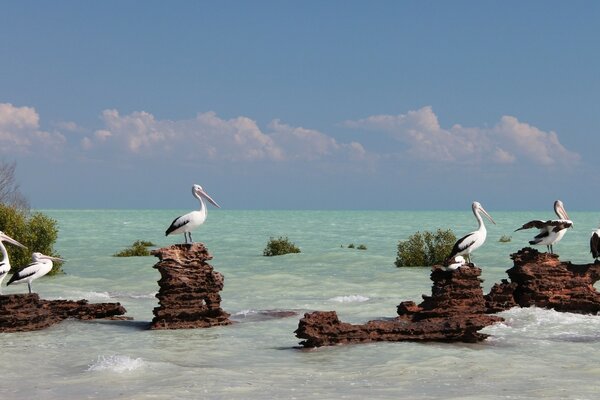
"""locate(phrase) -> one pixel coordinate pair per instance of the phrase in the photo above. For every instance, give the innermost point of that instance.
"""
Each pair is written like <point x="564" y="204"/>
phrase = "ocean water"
<point x="536" y="353"/>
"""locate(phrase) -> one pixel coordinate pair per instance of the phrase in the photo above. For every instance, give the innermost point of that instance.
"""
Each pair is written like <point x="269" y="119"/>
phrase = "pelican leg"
<point x="191" y="240"/>
<point x="29" y="286"/>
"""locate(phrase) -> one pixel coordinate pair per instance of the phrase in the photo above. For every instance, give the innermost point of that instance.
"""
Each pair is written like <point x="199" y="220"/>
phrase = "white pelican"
<point x="5" y="263"/>
<point x="40" y="266"/>
<point x="595" y="243"/>
<point x="455" y="263"/>
<point x="190" y="221"/>
<point x="465" y="245"/>
<point x="551" y="231"/>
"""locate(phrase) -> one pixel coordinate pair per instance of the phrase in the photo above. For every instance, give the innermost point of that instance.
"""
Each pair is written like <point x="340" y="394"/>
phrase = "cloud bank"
<point x="508" y="142"/>
<point x="20" y="132"/>
<point x="212" y="138"/>
<point x="417" y="134"/>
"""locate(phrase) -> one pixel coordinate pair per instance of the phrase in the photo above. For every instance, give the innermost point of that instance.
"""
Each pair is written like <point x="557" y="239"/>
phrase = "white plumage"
<point x="190" y="221"/>
<point x="468" y="243"/>
<point x="552" y="230"/>
<point x="41" y="265"/>
<point x="455" y="263"/>
<point x="5" y="263"/>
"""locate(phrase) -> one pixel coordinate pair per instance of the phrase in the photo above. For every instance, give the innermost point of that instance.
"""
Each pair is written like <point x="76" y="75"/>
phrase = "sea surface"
<point x="535" y="354"/>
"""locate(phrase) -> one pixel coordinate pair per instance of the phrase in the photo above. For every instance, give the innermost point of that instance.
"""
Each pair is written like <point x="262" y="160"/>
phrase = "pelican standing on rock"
<point x="467" y="244"/>
<point x="5" y="263"/>
<point x="41" y="265"/>
<point x="551" y="231"/>
<point x="190" y="221"/>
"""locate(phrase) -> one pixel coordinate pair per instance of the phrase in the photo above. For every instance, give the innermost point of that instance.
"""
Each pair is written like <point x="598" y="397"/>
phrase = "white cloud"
<point x="211" y="137"/>
<point x="509" y="141"/>
<point x="20" y="133"/>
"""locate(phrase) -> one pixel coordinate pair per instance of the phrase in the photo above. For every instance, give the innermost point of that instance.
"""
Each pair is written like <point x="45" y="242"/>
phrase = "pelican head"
<point x="478" y="207"/>
<point x="5" y="238"/>
<point x="559" y="209"/>
<point x="36" y="256"/>
<point x="197" y="191"/>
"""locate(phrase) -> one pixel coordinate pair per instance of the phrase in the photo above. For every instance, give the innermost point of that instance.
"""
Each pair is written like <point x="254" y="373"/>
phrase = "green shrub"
<point x="361" y="247"/>
<point x="425" y="249"/>
<point x="505" y="239"/>
<point x="280" y="246"/>
<point x="35" y="230"/>
<point x="351" y="246"/>
<point x="139" y="248"/>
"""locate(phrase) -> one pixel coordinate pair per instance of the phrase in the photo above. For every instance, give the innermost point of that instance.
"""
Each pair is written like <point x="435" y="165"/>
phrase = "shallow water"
<point x="535" y="354"/>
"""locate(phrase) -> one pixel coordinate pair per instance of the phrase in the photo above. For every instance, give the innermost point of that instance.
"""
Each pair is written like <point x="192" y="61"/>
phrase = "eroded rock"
<point x="27" y="312"/>
<point x="542" y="280"/>
<point x="455" y="312"/>
<point x="189" y="289"/>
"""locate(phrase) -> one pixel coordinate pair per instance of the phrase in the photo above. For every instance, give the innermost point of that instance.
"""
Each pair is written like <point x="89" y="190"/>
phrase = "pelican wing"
<point x="26" y="272"/>
<point x="595" y="245"/>
<point x="462" y="244"/>
<point x="176" y="224"/>
<point x="559" y="225"/>
<point x="539" y="224"/>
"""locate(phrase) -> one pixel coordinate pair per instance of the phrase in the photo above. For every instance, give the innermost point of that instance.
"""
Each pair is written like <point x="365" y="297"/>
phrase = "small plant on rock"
<point x="280" y="246"/>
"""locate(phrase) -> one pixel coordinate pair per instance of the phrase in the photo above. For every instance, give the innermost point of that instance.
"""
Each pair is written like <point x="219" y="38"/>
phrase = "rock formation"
<point x="454" y="312"/>
<point x="541" y="280"/>
<point x="27" y="312"/>
<point x="189" y="289"/>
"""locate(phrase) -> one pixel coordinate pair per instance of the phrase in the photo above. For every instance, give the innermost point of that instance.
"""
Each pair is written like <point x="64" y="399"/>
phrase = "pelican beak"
<point x="5" y="238"/>
<point x="487" y="215"/>
<point x="563" y="212"/>
<point x="53" y="258"/>
<point x="207" y="197"/>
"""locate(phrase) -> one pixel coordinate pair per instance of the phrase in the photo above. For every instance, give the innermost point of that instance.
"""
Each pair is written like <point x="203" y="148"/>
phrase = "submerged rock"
<point x="542" y="280"/>
<point x="27" y="312"/>
<point x="454" y="312"/>
<point x="189" y="289"/>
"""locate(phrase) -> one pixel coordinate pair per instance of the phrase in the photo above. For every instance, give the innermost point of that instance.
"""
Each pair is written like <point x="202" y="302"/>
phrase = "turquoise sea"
<point x="535" y="354"/>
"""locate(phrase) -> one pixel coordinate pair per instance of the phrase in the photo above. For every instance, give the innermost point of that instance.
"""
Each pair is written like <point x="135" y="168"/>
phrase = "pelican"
<point x="551" y="231"/>
<point x="190" y="221"/>
<point x="465" y="245"/>
<point x="455" y="263"/>
<point x="40" y="266"/>
<point x="5" y="263"/>
<point x="595" y="244"/>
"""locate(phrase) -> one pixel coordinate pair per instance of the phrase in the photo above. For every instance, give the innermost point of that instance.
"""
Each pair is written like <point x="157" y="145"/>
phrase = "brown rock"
<point x="189" y="289"/>
<point x="27" y="312"/>
<point x="455" y="311"/>
<point x="541" y="280"/>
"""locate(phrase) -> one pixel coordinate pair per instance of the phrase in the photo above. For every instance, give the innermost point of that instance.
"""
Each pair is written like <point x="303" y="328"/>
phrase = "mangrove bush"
<point x="425" y="249"/>
<point x="280" y="246"/>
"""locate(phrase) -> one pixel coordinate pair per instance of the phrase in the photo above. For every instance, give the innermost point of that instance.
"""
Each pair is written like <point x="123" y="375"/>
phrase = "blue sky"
<point x="310" y="105"/>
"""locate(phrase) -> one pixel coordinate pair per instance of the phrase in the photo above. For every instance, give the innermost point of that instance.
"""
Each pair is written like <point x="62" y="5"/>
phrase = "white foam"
<point x="355" y="298"/>
<point x="245" y="313"/>
<point x="116" y="363"/>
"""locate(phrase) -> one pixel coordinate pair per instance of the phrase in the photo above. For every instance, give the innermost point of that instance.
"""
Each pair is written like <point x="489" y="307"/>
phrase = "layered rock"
<point x="454" y="312"/>
<point x="27" y="312"/>
<point x="189" y="289"/>
<point x="542" y="280"/>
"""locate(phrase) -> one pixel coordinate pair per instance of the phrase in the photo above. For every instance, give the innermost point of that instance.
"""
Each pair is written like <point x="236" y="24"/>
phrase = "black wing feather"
<point x="459" y="245"/>
<point x="595" y="245"/>
<point x="19" y="275"/>
<point x="175" y="225"/>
